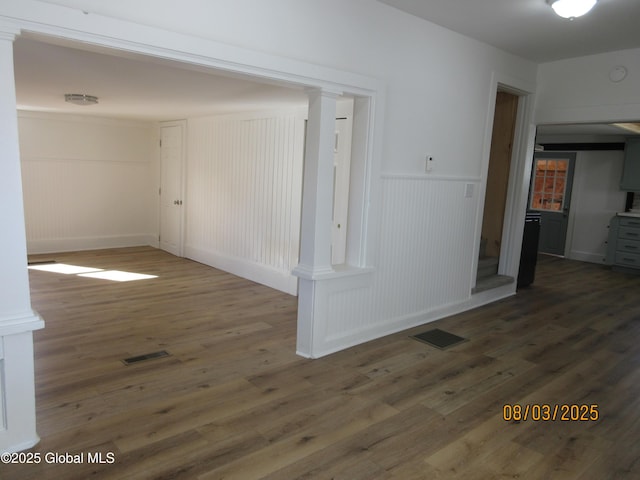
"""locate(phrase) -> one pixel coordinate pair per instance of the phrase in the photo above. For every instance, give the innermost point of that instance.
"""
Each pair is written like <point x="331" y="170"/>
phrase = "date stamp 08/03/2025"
<point x="536" y="412"/>
<point x="550" y="412"/>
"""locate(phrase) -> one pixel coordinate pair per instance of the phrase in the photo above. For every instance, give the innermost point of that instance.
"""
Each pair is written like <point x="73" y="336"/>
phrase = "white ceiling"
<point x="530" y="28"/>
<point x="134" y="87"/>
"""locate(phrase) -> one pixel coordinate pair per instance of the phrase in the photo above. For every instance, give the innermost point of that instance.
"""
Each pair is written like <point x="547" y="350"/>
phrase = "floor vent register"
<point x="439" y="338"/>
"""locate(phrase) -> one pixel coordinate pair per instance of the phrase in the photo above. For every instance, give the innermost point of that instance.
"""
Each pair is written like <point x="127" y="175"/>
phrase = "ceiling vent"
<point x="80" y="99"/>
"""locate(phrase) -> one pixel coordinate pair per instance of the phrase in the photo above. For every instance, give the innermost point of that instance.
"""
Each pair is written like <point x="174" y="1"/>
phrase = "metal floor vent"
<point x="42" y="262"/>
<point x="146" y="356"/>
<point x="439" y="338"/>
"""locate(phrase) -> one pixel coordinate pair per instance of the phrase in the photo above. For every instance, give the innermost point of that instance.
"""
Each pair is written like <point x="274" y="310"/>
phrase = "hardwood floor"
<point x="233" y="401"/>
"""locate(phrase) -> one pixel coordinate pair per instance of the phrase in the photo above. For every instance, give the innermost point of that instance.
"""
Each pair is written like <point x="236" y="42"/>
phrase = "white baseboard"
<point x="74" y="244"/>
<point x="354" y="337"/>
<point x="263" y="274"/>
<point x="6" y="446"/>
<point x="587" y="256"/>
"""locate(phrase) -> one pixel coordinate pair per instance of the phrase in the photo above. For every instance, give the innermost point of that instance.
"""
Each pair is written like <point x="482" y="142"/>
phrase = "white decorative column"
<point x="17" y="319"/>
<point x="317" y="192"/>
<point x="317" y="202"/>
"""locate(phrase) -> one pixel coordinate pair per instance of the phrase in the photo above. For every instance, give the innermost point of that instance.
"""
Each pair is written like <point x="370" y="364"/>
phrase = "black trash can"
<point x="529" y="255"/>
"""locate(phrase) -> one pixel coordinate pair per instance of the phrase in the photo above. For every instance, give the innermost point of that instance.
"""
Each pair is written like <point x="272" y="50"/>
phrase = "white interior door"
<point x="171" y="202"/>
<point x="341" y="173"/>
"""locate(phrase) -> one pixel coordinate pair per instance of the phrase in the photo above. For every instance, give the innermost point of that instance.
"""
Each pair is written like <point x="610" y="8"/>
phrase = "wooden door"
<point x="498" y="174"/>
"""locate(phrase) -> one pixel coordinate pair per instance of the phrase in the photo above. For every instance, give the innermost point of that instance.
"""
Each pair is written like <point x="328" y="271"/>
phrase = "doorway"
<point x="550" y="195"/>
<point x="341" y="183"/>
<point x="341" y="178"/>
<point x="498" y="174"/>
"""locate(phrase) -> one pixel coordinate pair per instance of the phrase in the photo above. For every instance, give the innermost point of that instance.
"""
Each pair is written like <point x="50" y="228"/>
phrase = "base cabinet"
<point x="623" y="246"/>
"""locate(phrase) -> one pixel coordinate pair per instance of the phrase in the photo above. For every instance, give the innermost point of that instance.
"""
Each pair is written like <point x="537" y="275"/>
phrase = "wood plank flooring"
<point x="233" y="401"/>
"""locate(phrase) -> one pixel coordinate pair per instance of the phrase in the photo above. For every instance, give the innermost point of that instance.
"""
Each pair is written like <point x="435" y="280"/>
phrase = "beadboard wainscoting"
<point x="243" y="191"/>
<point x="432" y="223"/>
<point x="88" y="182"/>
<point x="424" y="270"/>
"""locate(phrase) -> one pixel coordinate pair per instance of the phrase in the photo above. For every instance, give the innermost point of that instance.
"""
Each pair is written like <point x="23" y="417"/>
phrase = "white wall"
<point x="88" y="182"/>
<point x="579" y="90"/>
<point x="244" y="182"/>
<point x="596" y="197"/>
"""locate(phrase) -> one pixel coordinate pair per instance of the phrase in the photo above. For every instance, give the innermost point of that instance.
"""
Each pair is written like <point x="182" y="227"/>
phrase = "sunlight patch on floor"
<point x="113" y="275"/>
<point x="63" y="268"/>
<point x="117" y="275"/>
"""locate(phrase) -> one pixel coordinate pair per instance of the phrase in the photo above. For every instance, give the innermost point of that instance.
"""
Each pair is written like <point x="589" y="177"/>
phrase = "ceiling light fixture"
<point x="80" y="99"/>
<point x="571" y="8"/>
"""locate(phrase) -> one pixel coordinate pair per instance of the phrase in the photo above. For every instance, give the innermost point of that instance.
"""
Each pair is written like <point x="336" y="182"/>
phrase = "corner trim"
<point x="338" y="271"/>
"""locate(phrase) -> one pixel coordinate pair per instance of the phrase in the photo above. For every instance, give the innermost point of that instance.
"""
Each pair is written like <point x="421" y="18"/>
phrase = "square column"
<point x="317" y="192"/>
<point x="14" y="296"/>
<point x="317" y="213"/>
<point x="17" y="319"/>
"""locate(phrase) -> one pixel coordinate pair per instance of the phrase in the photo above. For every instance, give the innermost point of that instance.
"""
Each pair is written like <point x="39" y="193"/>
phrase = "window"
<point x="549" y="184"/>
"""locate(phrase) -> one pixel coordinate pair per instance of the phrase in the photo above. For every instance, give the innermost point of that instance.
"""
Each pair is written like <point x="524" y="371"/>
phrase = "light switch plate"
<point x="468" y="190"/>
<point x="428" y="163"/>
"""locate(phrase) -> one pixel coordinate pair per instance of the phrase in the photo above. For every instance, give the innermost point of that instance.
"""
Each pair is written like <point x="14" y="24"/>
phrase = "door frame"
<point x="341" y="181"/>
<point x="496" y="187"/>
<point x="182" y="188"/>
<point x="519" y="179"/>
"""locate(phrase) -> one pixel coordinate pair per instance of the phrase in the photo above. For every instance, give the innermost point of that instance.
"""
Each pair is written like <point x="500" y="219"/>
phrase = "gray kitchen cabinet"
<point x="623" y="245"/>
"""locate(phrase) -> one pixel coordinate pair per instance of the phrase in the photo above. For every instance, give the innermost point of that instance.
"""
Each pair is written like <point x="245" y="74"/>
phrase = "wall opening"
<point x="360" y="168"/>
<point x="495" y="203"/>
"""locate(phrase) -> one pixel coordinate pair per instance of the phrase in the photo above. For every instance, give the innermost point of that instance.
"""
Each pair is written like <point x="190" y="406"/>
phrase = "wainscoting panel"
<point x="78" y="205"/>
<point x="424" y="268"/>
<point x="243" y="184"/>
<point x="426" y="246"/>
<point x="87" y="182"/>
